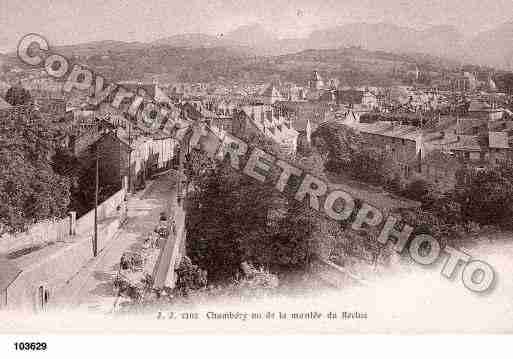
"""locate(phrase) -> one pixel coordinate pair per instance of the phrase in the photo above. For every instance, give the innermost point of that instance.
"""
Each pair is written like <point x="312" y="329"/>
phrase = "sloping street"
<point x="92" y="288"/>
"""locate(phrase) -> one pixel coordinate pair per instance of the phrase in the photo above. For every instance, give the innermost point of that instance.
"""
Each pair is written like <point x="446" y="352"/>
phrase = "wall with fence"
<point x="172" y="253"/>
<point x="37" y="234"/>
<point x="52" y="271"/>
<point x="59" y="230"/>
<point x="54" y="265"/>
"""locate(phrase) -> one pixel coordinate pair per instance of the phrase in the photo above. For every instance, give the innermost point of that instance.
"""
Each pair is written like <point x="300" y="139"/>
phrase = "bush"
<point x="190" y="277"/>
<point x="230" y="219"/>
<point x="368" y="166"/>
<point x="486" y="199"/>
<point x="393" y="185"/>
<point x="258" y="278"/>
<point x="417" y="190"/>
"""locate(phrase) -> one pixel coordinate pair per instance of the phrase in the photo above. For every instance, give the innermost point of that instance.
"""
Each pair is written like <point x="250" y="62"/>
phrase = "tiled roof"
<point x="4" y="105"/>
<point x="316" y="76"/>
<point x="8" y="273"/>
<point x="271" y="91"/>
<point x="498" y="139"/>
<point x="389" y="129"/>
<point x="463" y="142"/>
<point x="441" y="159"/>
<point x="478" y="106"/>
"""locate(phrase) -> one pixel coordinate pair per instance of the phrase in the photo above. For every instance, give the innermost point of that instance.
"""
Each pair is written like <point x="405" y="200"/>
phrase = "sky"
<point x="77" y="21"/>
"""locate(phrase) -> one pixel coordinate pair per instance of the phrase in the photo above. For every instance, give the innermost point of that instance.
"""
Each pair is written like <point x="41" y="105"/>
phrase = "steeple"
<point x="316" y="81"/>
<point x="308" y="131"/>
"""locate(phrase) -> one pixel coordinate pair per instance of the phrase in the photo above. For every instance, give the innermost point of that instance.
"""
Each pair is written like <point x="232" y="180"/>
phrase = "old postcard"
<point x="241" y="167"/>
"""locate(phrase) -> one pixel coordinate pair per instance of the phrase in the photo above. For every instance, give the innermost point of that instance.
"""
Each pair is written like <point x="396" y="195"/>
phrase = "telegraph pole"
<point x="129" y="189"/>
<point x="95" y="239"/>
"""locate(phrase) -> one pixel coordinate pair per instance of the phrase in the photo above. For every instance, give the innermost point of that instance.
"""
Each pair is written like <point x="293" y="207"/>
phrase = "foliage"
<point x="428" y="222"/>
<point x="338" y="142"/>
<point x="258" y="277"/>
<point x="347" y="154"/>
<point x="368" y="165"/>
<point x="18" y="96"/>
<point x="486" y="199"/>
<point x="233" y="218"/>
<point x="417" y="190"/>
<point x="190" y="277"/>
<point x="285" y="244"/>
<point x="505" y="82"/>
<point x="30" y="190"/>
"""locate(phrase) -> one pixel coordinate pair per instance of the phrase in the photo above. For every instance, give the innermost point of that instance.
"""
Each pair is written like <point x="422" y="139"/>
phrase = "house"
<point x="268" y="121"/>
<point x="150" y="91"/>
<point x="350" y="98"/>
<point x="271" y="95"/>
<point x="481" y="109"/>
<point x="8" y="274"/>
<point x="315" y="82"/>
<point x="21" y="114"/>
<point x="465" y="82"/>
<point x="440" y="169"/>
<point x="434" y="154"/>
<point x="403" y="144"/>
<point x="500" y="147"/>
<point x="4" y="105"/>
<point x="299" y="112"/>
<point x="135" y="158"/>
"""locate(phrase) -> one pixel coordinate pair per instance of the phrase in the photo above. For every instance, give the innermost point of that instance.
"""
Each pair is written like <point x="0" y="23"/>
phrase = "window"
<point x="43" y="297"/>
<point x="406" y="171"/>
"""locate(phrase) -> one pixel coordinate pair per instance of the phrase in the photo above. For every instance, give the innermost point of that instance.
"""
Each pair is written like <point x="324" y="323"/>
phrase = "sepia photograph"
<point x="255" y="168"/>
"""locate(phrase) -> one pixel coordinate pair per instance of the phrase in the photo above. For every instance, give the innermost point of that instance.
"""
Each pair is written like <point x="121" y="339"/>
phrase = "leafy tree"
<point x="30" y="190"/>
<point x="338" y="143"/>
<point x="17" y="96"/>
<point x="505" y="82"/>
<point x="233" y="218"/>
<point x="368" y="165"/>
<point x="487" y="197"/>
<point x="346" y="153"/>
<point x="417" y="190"/>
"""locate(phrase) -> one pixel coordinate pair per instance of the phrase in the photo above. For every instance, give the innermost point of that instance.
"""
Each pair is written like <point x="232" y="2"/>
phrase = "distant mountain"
<point x="492" y="48"/>
<point x="194" y="41"/>
<point x="254" y="35"/>
<point x="442" y="41"/>
<point x="251" y="39"/>
<point x="99" y="47"/>
<point x="197" y="58"/>
<point x="487" y="48"/>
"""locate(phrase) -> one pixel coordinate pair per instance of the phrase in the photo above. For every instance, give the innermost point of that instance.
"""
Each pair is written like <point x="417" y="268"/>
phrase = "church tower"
<point x="316" y="81"/>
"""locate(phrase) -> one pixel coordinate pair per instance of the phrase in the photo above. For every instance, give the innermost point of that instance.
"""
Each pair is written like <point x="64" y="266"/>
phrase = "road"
<point x="91" y="289"/>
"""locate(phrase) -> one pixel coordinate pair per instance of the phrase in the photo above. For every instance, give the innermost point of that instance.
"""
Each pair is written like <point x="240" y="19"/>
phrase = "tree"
<point x="487" y="197"/>
<point x="338" y="143"/>
<point x="347" y="154"/>
<point x="30" y="190"/>
<point x="18" y="96"/>
<point x="417" y="190"/>
<point x="232" y="218"/>
<point x="505" y="82"/>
